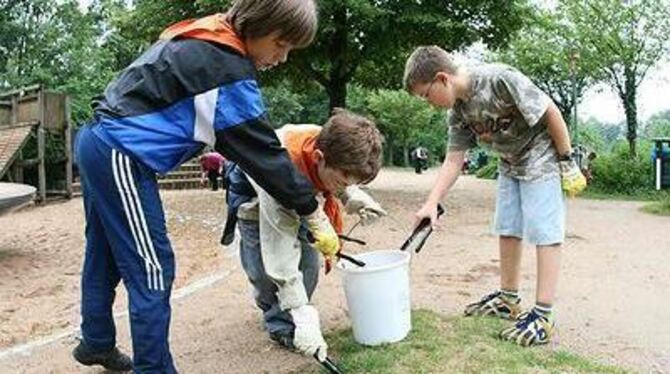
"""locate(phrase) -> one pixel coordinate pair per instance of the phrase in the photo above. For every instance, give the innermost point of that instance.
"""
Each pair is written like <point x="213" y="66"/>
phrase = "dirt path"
<point x="613" y="297"/>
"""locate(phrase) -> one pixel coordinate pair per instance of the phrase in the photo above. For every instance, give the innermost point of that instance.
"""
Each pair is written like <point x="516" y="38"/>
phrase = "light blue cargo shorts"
<point x="532" y="211"/>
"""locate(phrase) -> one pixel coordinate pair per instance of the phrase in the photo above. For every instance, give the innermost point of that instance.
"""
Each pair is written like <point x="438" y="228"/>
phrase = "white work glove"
<point x="307" y="337"/>
<point x="325" y="237"/>
<point x="359" y="202"/>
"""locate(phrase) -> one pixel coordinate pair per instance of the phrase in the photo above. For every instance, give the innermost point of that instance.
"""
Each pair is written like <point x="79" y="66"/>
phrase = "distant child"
<point x="212" y="167"/>
<point x="195" y="86"/>
<point x="496" y="104"/>
<point x="274" y="248"/>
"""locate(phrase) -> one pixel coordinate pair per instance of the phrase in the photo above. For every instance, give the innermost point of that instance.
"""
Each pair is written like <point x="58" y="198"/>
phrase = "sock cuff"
<point x="543" y="308"/>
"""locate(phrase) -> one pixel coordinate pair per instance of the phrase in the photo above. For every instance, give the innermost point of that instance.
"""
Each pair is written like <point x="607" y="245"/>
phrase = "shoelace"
<point x="528" y="319"/>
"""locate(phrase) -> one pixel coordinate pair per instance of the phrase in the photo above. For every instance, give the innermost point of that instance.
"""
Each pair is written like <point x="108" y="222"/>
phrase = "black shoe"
<point x="227" y="238"/>
<point x="283" y="340"/>
<point x="112" y="360"/>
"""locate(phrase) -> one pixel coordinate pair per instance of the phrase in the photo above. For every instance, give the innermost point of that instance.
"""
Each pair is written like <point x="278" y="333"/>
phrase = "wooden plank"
<point x="55" y="111"/>
<point x="11" y="141"/>
<point x="29" y="110"/>
<point x="20" y="91"/>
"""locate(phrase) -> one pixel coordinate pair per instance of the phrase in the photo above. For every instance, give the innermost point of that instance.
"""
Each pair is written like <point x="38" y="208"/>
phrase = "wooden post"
<point x="41" y="144"/>
<point x="15" y="110"/>
<point x="68" y="147"/>
<point x="18" y="168"/>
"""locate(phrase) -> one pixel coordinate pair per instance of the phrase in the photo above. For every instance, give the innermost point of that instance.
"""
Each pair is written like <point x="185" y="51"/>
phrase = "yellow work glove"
<point x="572" y="180"/>
<point x="325" y="237"/>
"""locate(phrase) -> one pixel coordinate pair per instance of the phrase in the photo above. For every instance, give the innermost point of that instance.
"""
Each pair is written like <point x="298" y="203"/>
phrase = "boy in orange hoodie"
<point x="276" y="255"/>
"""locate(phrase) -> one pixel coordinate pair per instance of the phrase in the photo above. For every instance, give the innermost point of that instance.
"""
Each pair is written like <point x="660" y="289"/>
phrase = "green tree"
<point x="545" y="51"/>
<point x="658" y="126"/>
<point x="624" y="39"/>
<point x="406" y="122"/>
<point x="359" y="41"/>
<point x="57" y="46"/>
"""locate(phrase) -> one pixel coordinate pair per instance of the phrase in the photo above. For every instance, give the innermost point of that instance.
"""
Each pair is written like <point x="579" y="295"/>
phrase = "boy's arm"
<point x="244" y="135"/>
<point x="572" y="180"/>
<point x="461" y="138"/>
<point x="449" y="173"/>
<point x="558" y="130"/>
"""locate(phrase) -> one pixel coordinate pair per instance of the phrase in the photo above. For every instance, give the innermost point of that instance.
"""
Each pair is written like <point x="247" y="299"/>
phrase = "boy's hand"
<point x="428" y="210"/>
<point x="572" y="179"/>
<point x="359" y="202"/>
<point x="308" y="338"/>
<point x="325" y="237"/>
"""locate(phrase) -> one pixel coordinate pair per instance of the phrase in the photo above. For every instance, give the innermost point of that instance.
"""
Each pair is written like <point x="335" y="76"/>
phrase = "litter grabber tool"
<point x="420" y="234"/>
<point x="339" y="254"/>
<point x="328" y="364"/>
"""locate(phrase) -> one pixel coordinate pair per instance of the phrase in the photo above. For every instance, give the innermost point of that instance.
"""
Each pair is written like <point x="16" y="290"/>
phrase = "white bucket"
<point x="378" y="296"/>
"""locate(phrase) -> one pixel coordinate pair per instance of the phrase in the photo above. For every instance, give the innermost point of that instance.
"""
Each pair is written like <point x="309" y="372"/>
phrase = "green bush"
<point x="618" y="173"/>
<point x="490" y="171"/>
<point x="407" y="122"/>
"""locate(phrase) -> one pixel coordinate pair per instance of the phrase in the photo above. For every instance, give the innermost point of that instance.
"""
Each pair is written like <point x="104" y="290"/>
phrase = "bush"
<point x="490" y="171"/>
<point x="618" y="173"/>
<point x="407" y="122"/>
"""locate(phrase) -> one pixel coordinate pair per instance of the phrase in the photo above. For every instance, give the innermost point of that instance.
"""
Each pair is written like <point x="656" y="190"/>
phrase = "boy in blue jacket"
<point x="196" y="86"/>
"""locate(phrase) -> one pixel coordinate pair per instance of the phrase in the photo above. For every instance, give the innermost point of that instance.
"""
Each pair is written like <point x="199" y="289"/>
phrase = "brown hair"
<point x="296" y="20"/>
<point x="352" y="144"/>
<point x="424" y="63"/>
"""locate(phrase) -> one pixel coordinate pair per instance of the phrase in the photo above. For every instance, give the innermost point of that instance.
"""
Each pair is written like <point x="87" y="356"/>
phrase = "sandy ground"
<point x="612" y="306"/>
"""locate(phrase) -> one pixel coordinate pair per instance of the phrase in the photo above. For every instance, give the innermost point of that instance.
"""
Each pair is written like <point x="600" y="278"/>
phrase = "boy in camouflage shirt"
<point x="497" y="105"/>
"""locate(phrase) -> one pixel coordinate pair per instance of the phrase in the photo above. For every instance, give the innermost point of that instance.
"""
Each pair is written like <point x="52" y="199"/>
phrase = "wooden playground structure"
<point x="32" y="113"/>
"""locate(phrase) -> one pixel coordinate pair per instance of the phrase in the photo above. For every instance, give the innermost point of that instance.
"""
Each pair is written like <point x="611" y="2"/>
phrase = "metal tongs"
<point x="328" y="364"/>
<point x="421" y="233"/>
<point x="311" y="239"/>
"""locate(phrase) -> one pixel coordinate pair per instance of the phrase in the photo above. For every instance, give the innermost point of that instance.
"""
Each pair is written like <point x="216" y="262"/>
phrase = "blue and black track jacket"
<point x="184" y="93"/>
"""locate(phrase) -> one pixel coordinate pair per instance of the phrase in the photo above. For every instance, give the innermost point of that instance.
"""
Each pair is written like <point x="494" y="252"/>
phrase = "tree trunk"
<point x="628" y="98"/>
<point x="337" y="94"/>
<point x="389" y="144"/>
<point x="337" y="83"/>
<point x="405" y="156"/>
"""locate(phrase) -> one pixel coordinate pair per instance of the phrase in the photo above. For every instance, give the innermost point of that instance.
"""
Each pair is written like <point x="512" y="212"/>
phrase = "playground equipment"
<point x="13" y="195"/>
<point x="32" y="112"/>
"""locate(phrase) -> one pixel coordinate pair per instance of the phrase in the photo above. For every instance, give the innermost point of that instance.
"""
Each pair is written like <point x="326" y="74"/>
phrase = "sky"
<point x="601" y="103"/>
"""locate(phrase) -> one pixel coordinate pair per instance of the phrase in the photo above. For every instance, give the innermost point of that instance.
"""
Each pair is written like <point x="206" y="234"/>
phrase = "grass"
<point x="661" y="208"/>
<point x="455" y="345"/>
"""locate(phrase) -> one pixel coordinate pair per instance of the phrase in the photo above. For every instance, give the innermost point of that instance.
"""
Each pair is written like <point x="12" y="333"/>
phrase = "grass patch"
<point x="455" y="345"/>
<point x="661" y="208"/>
<point x="650" y="195"/>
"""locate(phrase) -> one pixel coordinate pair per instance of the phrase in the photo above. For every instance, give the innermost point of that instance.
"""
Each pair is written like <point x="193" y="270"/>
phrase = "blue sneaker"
<point x="531" y="329"/>
<point x="496" y="305"/>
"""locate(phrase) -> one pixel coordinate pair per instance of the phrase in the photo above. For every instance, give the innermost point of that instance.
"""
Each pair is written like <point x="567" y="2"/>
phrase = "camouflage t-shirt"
<point x="505" y="109"/>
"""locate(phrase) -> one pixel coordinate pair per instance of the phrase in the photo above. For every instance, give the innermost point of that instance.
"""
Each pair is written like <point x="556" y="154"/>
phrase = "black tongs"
<point x="311" y="239"/>
<point x="328" y="364"/>
<point x="421" y="233"/>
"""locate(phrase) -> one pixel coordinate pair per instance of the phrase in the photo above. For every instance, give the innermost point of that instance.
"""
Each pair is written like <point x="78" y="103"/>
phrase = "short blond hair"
<point x="351" y="143"/>
<point x="424" y="63"/>
<point x="295" y="20"/>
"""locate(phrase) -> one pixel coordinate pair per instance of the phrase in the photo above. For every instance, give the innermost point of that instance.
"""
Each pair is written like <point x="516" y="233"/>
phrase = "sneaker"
<point x="496" y="305"/>
<point x="283" y="340"/>
<point x="531" y="329"/>
<point x="112" y="360"/>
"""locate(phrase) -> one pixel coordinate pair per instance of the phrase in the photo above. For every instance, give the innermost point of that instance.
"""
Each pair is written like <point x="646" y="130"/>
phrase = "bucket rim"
<point x="372" y="269"/>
